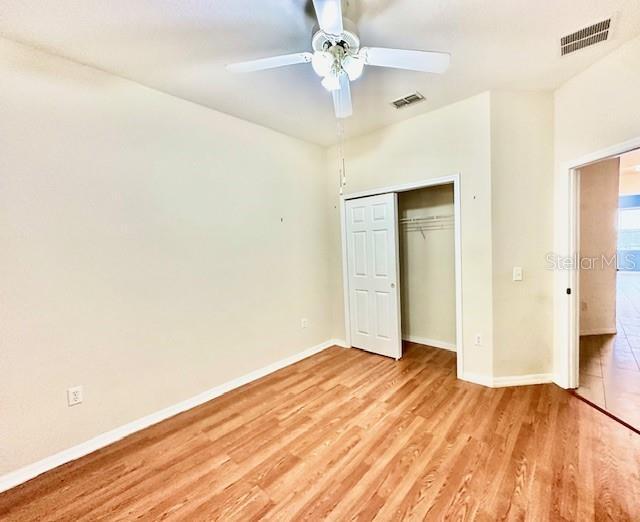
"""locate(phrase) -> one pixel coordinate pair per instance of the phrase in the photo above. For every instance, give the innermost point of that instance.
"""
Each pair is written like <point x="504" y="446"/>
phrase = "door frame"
<point x="567" y="375"/>
<point x="453" y="179"/>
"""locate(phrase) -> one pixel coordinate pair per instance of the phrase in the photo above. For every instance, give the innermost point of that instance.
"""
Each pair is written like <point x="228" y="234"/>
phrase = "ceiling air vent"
<point x="407" y="100"/>
<point x="585" y="37"/>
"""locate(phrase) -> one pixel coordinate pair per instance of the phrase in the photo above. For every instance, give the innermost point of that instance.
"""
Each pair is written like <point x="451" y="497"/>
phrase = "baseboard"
<point x="522" y="380"/>
<point x="430" y="342"/>
<point x="600" y="331"/>
<point x="561" y="380"/>
<point x="21" y="475"/>
<point x="510" y="380"/>
<point x="484" y="380"/>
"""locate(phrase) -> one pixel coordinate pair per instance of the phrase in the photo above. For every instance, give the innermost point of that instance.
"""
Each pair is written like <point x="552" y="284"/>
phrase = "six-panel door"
<point x="372" y="258"/>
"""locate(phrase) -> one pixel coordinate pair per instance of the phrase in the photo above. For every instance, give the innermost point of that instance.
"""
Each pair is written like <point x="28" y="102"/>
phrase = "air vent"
<point x="407" y="100"/>
<point x="585" y="37"/>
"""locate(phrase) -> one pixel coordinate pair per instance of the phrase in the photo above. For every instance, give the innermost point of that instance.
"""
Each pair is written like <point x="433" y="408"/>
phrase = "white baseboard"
<point x="484" y="380"/>
<point x="599" y="331"/>
<point x="561" y="380"/>
<point x="21" y="475"/>
<point x="430" y="342"/>
<point x="522" y="380"/>
<point x="510" y="380"/>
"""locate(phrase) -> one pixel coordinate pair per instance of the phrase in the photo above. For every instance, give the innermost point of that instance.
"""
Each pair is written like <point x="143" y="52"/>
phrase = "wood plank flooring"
<point x="347" y="435"/>
<point x="610" y="364"/>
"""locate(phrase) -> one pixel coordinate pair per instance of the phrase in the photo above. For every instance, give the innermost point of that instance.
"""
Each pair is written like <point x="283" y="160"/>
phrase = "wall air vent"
<point x="585" y="37"/>
<point x="407" y="100"/>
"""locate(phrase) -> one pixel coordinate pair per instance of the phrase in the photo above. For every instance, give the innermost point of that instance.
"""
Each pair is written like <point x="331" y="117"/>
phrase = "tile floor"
<point x="610" y="364"/>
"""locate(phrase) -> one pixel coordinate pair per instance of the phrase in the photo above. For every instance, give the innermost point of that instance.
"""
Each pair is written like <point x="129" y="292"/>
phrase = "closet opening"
<point x="402" y="270"/>
<point x="427" y="269"/>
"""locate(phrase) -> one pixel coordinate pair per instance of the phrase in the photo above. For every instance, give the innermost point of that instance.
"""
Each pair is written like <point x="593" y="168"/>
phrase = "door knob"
<point x="393" y="285"/>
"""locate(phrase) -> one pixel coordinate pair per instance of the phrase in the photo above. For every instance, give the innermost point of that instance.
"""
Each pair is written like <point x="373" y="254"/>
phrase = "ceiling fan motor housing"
<point x="349" y="40"/>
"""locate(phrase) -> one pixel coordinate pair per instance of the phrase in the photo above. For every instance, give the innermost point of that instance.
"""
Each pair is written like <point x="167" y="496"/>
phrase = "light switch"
<point x="517" y="273"/>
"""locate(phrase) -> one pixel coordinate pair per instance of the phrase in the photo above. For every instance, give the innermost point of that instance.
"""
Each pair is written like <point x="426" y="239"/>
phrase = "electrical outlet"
<point x="304" y="323"/>
<point x="517" y="273"/>
<point x="74" y="395"/>
<point x="478" y="339"/>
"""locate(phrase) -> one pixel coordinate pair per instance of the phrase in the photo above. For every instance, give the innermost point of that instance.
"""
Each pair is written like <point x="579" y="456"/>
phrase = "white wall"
<point x="599" y="185"/>
<point x="454" y="139"/>
<point x="595" y="110"/>
<point x="522" y="220"/>
<point x="151" y="249"/>
<point x="427" y="268"/>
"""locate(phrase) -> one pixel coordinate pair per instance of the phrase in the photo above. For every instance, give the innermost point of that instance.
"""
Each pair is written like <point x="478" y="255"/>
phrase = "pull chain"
<point x="342" y="176"/>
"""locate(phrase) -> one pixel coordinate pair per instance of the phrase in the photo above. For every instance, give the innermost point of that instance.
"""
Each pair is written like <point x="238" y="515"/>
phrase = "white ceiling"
<point x="181" y="46"/>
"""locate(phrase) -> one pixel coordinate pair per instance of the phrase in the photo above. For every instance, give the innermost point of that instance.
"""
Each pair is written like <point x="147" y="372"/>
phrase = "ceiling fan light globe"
<point x="322" y="63"/>
<point x="331" y="83"/>
<point x="353" y="66"/>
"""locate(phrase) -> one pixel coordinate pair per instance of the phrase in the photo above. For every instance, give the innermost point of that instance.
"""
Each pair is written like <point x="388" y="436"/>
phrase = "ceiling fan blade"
<point x="329" y="13"/>
<point x="342" y="98"/>
<point x="270" y="63"/>
<point x="425" y="61"/>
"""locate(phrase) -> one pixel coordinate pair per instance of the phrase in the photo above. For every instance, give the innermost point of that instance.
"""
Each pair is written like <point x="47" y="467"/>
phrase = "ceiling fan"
<point x="338" y="58"/>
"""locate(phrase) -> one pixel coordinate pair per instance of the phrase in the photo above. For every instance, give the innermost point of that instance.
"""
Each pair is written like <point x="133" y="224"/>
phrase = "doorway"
<point x="420" y="221"/>
<point x="609" y="286"/>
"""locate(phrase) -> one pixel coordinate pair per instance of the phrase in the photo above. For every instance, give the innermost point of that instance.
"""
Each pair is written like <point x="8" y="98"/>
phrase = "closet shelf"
<point x="427" y="219"/>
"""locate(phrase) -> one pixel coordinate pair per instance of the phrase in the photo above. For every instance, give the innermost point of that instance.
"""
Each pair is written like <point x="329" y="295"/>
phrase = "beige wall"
<point x="502" y="145"/>
<point x="595" y="110"/>
<point x="521" y="183"/>
<point x="151" y="249"/>
<point x="148" y="256"/>
<point x="598" y="237"/>
<point x="427" y="267"/>
<point x="629" y="183"/>
<point x="629" y="173"/>
<point x="599" y="107"/>
<point x="454" y="139"/>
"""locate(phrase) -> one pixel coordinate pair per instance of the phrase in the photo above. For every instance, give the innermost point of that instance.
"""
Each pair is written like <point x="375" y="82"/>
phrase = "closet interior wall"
<point x="427" y="266"/>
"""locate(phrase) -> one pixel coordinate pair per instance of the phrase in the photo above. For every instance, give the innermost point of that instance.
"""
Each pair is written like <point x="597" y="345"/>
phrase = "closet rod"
<point x="439" y="227"/>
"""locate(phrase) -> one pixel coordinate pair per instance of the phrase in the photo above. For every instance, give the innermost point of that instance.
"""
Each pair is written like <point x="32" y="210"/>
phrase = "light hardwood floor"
<point x="349" y="435"/>
<point x="610" y="364"/>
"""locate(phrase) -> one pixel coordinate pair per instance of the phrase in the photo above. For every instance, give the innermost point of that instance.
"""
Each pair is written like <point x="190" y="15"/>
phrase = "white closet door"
<point x="372" y="258"/>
